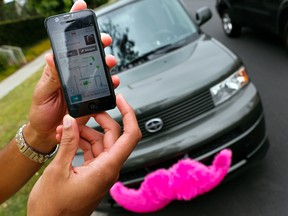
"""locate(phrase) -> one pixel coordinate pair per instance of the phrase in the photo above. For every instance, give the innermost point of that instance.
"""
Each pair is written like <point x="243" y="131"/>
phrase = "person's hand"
<point x="66" y="190"/>
<point x="48" y="105"/>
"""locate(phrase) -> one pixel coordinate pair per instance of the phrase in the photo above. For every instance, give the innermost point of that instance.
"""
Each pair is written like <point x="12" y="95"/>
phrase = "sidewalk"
<point x="21" y="75"/>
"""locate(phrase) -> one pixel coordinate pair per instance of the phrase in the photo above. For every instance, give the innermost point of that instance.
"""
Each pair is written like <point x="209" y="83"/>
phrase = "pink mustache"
<point x="183" y="181"/>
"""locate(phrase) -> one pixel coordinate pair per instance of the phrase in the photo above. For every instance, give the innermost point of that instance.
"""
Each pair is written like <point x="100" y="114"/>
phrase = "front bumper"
<point x="238" y="124"/>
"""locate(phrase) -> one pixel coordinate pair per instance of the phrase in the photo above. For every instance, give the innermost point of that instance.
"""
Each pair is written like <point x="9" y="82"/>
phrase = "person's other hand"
<point x="48" y="105"/>
<point x="66" y="190"/>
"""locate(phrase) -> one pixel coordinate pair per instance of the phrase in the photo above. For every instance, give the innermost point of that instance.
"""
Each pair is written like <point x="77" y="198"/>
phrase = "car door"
<point x="271" y="10"/>
<point x="249" y="12"/>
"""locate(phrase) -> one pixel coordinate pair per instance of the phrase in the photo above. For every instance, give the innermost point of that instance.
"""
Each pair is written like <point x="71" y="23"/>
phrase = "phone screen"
<point x="80" y="62"/>
<point x="82" y="70"/>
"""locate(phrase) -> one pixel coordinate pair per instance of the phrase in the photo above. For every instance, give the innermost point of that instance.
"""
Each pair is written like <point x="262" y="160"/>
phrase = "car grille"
<point x="180" y="112"/>
<point x="176" y="114"/>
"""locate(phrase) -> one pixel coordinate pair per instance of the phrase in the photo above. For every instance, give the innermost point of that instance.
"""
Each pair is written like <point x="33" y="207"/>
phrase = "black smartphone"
<point x="80" y="60"/>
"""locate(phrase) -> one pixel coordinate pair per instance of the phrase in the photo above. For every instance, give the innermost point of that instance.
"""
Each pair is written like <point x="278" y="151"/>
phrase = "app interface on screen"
<point x="81" y="65"/>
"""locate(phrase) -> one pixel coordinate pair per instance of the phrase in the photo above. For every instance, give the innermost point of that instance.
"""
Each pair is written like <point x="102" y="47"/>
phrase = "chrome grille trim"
<point x="180" y="112"/>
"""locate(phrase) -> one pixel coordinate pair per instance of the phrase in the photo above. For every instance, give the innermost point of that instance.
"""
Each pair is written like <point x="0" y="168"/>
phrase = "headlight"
<point x="230" y="86"/>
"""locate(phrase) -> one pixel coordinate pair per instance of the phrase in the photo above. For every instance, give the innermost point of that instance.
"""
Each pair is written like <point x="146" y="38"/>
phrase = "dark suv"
<point x="270" y="15"/>
<point x="191" y="94"/>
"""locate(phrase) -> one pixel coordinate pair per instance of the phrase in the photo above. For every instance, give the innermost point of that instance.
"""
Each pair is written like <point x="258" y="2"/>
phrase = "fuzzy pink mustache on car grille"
<point x="183" y="181"/>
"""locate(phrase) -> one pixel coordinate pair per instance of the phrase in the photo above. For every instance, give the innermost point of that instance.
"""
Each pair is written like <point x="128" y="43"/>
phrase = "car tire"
<point x="230" y="28"/>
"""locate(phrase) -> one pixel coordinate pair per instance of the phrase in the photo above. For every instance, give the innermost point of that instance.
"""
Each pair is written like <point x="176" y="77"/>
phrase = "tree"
<point x="122" y="46"/>
<point x="1" y="10"/>
<point x="10" y="11"/>
<point x="95" y="3"/>
<point x="47" y="8"/>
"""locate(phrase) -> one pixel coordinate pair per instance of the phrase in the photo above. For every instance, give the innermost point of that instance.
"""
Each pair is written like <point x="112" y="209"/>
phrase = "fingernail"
<point x="67" y="122"/>
<point x="120" y="96"/>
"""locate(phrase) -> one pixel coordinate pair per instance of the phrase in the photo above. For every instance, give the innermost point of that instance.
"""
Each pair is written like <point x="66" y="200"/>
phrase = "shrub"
<point x="22" y="33"/>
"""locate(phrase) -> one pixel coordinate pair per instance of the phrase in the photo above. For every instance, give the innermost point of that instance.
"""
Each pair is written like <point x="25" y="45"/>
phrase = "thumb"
<point x="69" y="142"/>
<point x="49" y="83"/>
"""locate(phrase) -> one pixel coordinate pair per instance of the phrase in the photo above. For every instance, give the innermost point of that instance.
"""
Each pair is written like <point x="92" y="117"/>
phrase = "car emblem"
<point x="154" y="125"/>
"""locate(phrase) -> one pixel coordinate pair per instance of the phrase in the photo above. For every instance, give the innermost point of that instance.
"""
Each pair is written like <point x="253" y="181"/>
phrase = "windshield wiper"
<point x="154" y="53"/>
<point x="151" y="55"/>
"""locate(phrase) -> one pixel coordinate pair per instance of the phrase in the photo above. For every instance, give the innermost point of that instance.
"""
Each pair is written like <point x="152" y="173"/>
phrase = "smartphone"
<point x="80" y="61"/>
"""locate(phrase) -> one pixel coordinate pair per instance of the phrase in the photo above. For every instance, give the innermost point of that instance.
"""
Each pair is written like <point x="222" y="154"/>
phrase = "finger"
<point x="53" y="82"/>
<point x="53" y="75"/>
<point x="112" y="129"/>
<point x="49" y="82"/>
<point x="69" y="142"/>
<point x="59" y="132"/>
<point x="91" y="140"/>
<point x="79" y="5"/>
<point x="111" y="61"/>
<point x="116" y="81"/>
<point x="131" y="135"/>
<point x="83" y="144"/>
<point x="83" y="120"/>
<point x="106" y="39"/>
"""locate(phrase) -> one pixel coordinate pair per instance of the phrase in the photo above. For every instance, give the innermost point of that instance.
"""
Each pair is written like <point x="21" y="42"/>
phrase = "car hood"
<point x="196" y="66"/>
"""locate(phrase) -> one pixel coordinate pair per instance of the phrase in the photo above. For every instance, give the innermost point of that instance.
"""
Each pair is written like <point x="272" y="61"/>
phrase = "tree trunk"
<point x="1" y="10"/>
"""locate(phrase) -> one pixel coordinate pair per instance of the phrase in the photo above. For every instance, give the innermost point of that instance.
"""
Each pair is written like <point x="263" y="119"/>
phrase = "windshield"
<point x="141" y="27"/>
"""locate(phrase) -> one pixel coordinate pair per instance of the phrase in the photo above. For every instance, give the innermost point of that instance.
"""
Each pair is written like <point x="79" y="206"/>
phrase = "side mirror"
<point x="203" y="15"/>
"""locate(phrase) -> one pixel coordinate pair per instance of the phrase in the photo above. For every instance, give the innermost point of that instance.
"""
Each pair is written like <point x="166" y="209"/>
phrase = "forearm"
<point x="17" y="169"/>
<point x="34" y="209"/>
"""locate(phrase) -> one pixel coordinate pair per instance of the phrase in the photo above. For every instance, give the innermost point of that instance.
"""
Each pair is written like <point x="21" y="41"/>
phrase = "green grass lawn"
<point x="14" y="112"/>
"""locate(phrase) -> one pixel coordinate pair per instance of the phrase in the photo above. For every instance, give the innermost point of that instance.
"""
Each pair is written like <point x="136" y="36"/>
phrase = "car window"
<point x="143" y="26"/>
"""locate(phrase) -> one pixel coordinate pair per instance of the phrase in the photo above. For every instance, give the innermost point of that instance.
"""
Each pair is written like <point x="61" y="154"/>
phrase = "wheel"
<point x="230" y="28"/>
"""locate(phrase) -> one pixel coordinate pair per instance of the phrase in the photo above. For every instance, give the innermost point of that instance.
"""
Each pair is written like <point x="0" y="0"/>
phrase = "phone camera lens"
<point x="57" y="19"/>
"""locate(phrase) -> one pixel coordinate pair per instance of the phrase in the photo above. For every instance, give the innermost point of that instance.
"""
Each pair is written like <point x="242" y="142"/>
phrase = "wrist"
<point x="41" y="142"/>
<point x="30" y="152"/>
